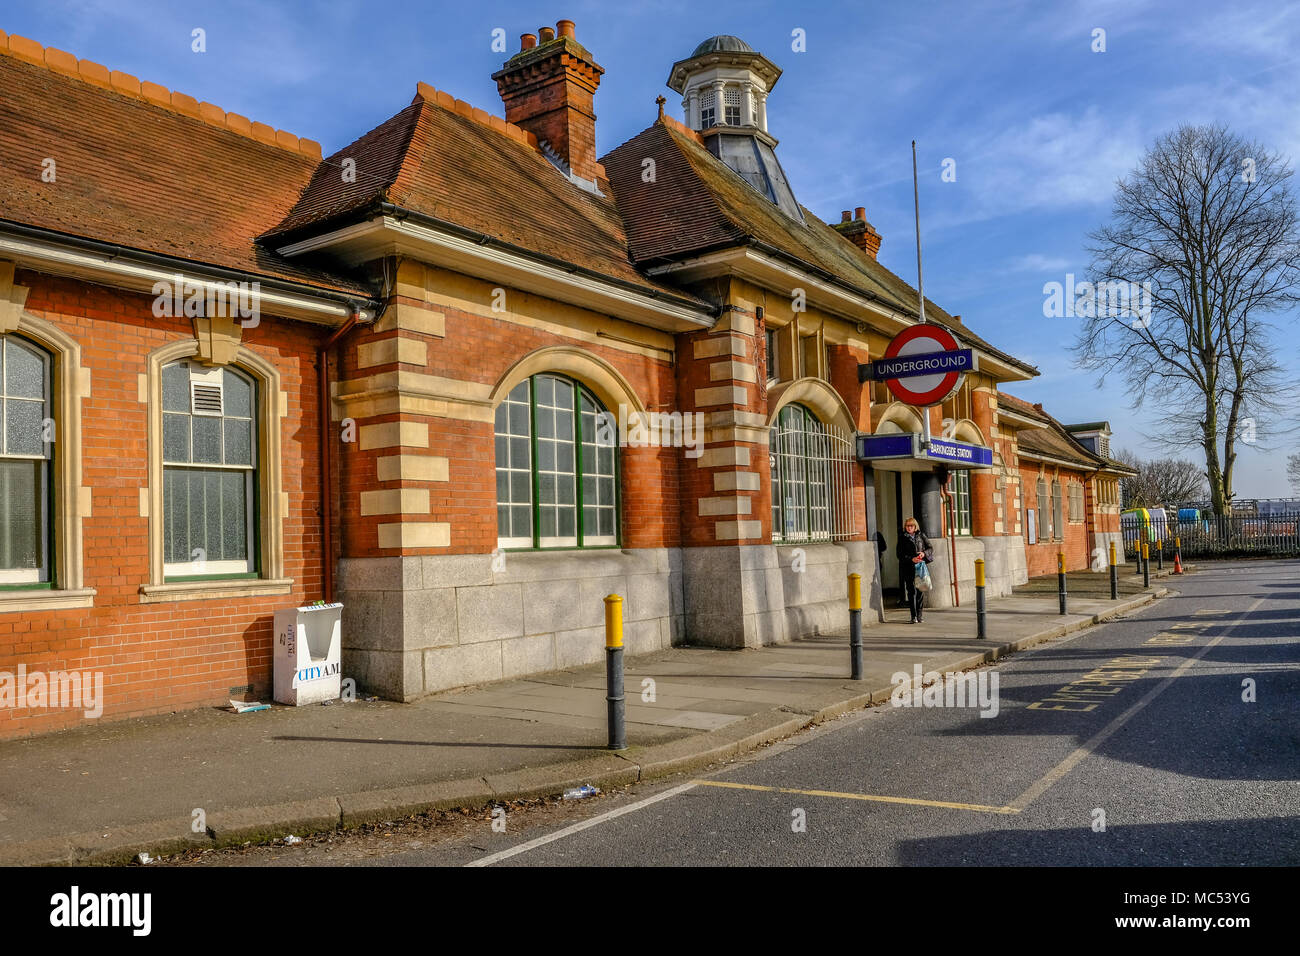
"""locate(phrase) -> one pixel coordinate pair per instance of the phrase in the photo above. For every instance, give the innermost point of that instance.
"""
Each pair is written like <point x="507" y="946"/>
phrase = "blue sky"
<point x="1039" y="125"/>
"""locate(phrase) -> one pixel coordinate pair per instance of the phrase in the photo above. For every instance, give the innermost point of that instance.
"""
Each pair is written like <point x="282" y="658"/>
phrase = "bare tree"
<point x="1161" y="481"/>
<point x="1204" y="231"/>
<point x="1293" y="472"/>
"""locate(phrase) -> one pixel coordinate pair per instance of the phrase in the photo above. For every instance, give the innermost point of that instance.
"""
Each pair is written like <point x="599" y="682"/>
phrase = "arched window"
<point x="810" y="479"/>
<point x="210" y="484"/>
<point x="26" y="456"/>
<point x="556" y="465"/>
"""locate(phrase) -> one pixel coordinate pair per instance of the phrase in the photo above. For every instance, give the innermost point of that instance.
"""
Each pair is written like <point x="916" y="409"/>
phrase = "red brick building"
<point x="1071" y="493"/>
<point x="240" y="376"/>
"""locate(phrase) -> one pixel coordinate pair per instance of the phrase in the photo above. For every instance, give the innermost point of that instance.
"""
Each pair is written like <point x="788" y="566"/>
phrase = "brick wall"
<point x="175" y="655"/>
<point x="1073" y="539"/>
<point x="478" y="349"/>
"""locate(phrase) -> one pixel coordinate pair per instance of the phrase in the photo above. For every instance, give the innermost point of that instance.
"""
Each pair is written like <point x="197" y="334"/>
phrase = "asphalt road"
<point x="1127" y="744"/>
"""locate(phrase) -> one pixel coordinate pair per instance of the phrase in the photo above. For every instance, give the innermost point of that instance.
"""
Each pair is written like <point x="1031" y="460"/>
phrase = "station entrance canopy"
<point x="904" y="451"/>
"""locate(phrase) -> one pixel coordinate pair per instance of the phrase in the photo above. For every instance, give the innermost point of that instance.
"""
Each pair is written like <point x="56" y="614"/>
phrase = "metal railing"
<point x="1224" y="536"/>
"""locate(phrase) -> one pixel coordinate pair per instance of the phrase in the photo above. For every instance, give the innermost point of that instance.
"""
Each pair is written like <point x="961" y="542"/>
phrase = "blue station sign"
<point x="959" y="453"/>
<point x="873" y="447"/>
<point x="907" y="446"/>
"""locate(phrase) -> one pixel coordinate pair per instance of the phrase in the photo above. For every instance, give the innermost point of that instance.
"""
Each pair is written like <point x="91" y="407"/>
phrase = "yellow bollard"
<point x="613" y="621"/>
<point x="855" y="626"/>
<point x="614" y="698"/>
<point x="979" y="572"/>
<point x="980" y="610"/>
<point x="1060" y="578"/>
<point x="1114" y="573"/>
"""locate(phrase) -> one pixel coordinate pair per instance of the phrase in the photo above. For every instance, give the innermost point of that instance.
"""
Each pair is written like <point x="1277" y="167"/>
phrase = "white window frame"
<point x="198" y="568"/>
<point x="272" y="500"/>
<point x="731" y="103"/>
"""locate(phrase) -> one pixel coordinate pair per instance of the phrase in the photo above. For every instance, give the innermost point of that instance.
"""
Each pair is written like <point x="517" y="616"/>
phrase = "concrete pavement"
<point x="206" y="778"/>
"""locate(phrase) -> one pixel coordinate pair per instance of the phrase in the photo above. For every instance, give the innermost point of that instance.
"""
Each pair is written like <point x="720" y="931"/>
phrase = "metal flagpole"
<point x="920" y="285"/>
<point x="916" y="205"/>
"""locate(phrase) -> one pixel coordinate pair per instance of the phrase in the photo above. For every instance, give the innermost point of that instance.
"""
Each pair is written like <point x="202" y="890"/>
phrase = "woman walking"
<point x="913" y="548"/>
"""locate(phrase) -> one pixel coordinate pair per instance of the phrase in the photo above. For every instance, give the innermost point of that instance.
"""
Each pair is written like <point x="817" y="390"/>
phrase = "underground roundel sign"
<point x="924" y="364"/>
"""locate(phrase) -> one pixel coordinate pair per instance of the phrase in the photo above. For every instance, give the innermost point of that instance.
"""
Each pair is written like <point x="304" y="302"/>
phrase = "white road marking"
<point x="579" y="827"/>
<point x="1045" y="782"/>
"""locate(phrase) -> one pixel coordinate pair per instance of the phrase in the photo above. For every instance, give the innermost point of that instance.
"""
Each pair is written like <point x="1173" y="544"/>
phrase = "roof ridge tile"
<point x="673" y="123"/>
<point x="124" y="84"/>
<point x="441" y="98"/>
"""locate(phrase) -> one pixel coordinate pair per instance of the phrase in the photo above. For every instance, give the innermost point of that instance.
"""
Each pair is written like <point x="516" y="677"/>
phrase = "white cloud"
<point x="1037" y="262"/>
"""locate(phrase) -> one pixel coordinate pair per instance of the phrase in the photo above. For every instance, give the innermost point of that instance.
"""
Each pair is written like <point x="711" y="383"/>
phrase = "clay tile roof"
<point x="133" y="171"/>
<point x="1022" y="407"/>
<point x="1048" y="441"/>
<point x="1054" y="439"/>
<point x="697" y="204"/>
<point x="443" y="162"/>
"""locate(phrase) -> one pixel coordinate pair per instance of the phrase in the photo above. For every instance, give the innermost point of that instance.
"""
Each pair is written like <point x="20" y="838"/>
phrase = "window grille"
<point x="812" y="479"/>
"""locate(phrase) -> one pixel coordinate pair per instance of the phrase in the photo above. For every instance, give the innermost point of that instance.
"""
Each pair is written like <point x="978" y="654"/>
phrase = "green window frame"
<point x="557" y="468"/>
<point x="26" y="466"/>
<point x="211" y="477"/>
<point x="961" y="501"/>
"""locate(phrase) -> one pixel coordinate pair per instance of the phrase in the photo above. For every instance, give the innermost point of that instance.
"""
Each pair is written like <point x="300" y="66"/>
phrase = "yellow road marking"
<point x="978" y="808"/>
<point x="1041" y="785"/>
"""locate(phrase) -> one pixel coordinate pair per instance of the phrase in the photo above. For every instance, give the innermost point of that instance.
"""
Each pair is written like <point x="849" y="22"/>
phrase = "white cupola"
<point x="724" y="83"/>
<point x="724" y="86"/>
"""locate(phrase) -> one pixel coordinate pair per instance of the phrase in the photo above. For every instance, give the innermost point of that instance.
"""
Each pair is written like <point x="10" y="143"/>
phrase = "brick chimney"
<point x="855" y="228"/>
<point x="549" y="88"/>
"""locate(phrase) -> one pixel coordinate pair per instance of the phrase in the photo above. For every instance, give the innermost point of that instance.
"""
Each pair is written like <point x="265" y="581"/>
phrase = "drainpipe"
<point x="323" y="397"/>
<point x="1092" y="537"/>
